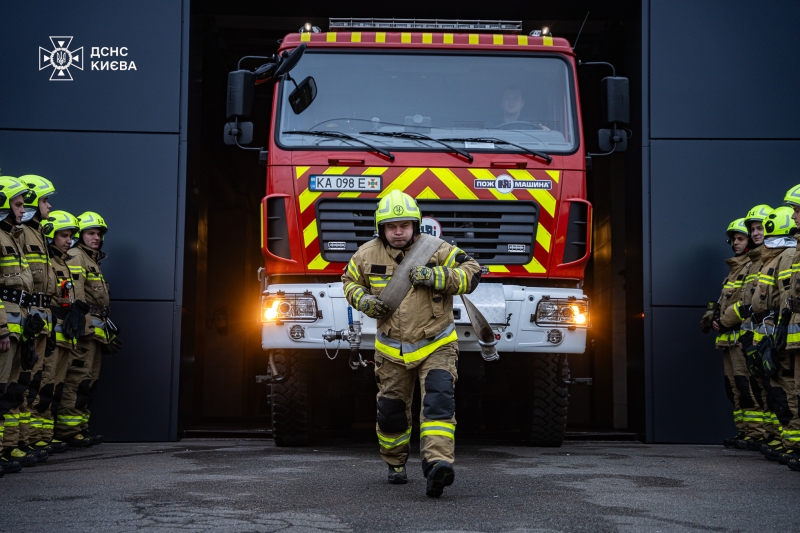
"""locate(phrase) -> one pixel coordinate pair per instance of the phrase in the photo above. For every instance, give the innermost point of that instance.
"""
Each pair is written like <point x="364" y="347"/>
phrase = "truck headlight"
<point x="562" y="311"/>
<point x="293" y="307"/>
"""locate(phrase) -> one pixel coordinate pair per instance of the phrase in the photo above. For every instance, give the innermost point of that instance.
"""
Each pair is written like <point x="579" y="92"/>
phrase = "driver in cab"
<point x="512" y="105"/>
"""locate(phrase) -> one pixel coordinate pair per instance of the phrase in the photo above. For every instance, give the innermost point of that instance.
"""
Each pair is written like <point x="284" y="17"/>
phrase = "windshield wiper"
<point x="418" y="136"/>
<point x="500" y="141"/>
<point x="340" y="135"/>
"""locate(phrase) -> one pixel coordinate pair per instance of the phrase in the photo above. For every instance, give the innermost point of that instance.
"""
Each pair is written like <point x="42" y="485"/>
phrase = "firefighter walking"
<point x="416" y="341"/>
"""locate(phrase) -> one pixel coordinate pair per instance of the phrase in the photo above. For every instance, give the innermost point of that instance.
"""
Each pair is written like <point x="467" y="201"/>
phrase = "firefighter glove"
<point x="50" y="347"/>
<point x="372" y="306"/>
<point x="768" y="363"/>
<point x="75" y="322"/>
<point x="28" y="356"/>
<point x="433" y="277"/>
<point x="113" y="347"/>
<point x="705" y="322"/>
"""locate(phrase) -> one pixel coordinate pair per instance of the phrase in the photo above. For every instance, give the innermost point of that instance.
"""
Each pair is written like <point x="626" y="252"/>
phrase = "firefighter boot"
<point x="17" y="455"/>
<point x="731" y="442"/>
<point x="57" y="446"/>
<point x="9" y="466"/>
<point x="78" y="441"/>
<point x="40" y="453"/>
<point x="771" y="445"/>
<point x="397" y="475"/>
<point x="439" y="477"/>
<point x="794" y="464"/>
<point x="755" y="444"/>
<point x="744" y="444"/>
<point x="96" y="439"/>
<point x="788" y="455"/>
<point x="773" y="454"/>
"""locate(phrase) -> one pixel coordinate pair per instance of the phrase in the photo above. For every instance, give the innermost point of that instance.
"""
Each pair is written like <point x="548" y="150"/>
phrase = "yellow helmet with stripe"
<point x="757" y="214"/>
<point x="89" y="220"/>
<point x="58" y="221"/>
<point x="792" y="196"/>
<point x="10" y="188"/>
<point x="40" y="188"/>
<point x="779" y="222"/>
<point x="395" y="207"/>
<point x="737" y="226"/>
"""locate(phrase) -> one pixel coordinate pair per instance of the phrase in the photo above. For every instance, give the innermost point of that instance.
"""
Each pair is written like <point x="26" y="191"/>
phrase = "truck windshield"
<point x="525" y="100"/>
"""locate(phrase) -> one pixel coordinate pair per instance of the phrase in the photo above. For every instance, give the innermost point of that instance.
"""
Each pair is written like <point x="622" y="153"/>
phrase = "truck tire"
<point x="290" y="420"/>
<point x="544" y="420"/>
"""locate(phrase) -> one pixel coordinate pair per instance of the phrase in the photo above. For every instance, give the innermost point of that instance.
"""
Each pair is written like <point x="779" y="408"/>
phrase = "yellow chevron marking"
<point x="310" y="233"/>
<point x="380" y="37"/>
<point x="555" y="174"/>
<point x="349" y="194"/>
<point x="405" y="37"/>
<point x="330" y="37"/>
<point x="307" y="198"/>
<point x="403" y="181"/>
<point x="497" y="268"/>
<point x="305" y="37"/>
<point x="375" y="171"/>
<point x="427" y="38"/>
<point x="543" y="237"/>
<point x="485" y="174"/>
<point x="318" y="263"/>
<point x="473" y="38"/>
<point x="497" y="39"/>
<point x="452" y="182"/>
<point x="522" y="40"/>
<point x="299" y="171"/>
<point x="547" y="41"/>
<point x="336" y="171"/>
<point x="448" y="38"/>
<point x="355" y="37"/>
<point x="535" y="267"/>
<point x="544" y="198"/>
<point x="427" y="192"/>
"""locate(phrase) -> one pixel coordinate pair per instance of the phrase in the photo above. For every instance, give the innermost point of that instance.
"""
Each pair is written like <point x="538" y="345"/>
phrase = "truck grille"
<point x="492" y="231"/>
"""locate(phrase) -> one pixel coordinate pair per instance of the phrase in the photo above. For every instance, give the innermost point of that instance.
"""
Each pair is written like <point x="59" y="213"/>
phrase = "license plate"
<point x="360" y="183"/>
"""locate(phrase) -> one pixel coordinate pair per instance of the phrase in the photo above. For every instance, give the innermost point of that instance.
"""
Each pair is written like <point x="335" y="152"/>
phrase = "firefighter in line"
<point x="59" y="230"/>
<point x="16" y="280"/>
<point x="416" y="341"/>
<point x="33" y="433"/>
<point x="771" y="292"/>
<point x="727" y="327"/>
<point x="791" y="435"/>
<point x="90" y="287"/>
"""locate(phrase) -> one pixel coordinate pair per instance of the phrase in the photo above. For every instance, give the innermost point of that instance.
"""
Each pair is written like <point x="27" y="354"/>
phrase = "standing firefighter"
<point x="737" y="383"/>
<point x="37" y="208"/>
<point x="90" y="288"/>
<point x="415" y="341"/>
<point x="771" y="292"/>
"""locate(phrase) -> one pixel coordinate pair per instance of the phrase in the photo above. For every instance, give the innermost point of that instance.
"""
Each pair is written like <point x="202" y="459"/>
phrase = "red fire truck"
<point x="479" y="122"/>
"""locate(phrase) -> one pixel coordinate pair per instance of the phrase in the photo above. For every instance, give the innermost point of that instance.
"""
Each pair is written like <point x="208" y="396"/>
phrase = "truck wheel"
<point x="290" y="421"/>
<point x="544" y="420"/>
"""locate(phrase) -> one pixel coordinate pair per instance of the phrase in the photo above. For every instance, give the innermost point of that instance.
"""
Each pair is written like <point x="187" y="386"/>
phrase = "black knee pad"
<point x="745" y="398"/>
<point x="439" y="402"/>
<point x="83" y="393"/>
<point x="728" y="388"/>
<point x="755" y="386"/>
<point x="782" y="410"/>
<point x="392" y="415"/>
<point x="45" y="398"/>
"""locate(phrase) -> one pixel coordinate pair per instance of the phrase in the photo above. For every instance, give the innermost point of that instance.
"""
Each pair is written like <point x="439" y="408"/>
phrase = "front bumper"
<point x="517" y="334"/>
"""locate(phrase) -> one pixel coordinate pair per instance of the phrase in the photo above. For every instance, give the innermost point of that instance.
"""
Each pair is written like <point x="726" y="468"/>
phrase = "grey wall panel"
<point x="697" y="189"/>
<point x="689" y="402"/>
<point x="130" y="179"/>
<point x="147" y="99"/>
<point x="722" y="69"/>
<point x="132" y="401"/>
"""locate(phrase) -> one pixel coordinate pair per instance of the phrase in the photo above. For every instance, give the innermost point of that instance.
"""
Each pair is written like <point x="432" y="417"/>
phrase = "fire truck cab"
<point x="481" y="124"/>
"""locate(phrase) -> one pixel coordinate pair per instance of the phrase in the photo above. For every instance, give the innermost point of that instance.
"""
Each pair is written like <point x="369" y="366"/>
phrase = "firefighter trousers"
<point x="783" y="393"/>
<point x="29" y="423"/>
<point x="437" y="376"/>
<point x="791" y="431"/>
<point x="73" y="410"/>
<point x="11" y="393"/>
<point x="45" y="406"/>
<point x="748" y="415"/>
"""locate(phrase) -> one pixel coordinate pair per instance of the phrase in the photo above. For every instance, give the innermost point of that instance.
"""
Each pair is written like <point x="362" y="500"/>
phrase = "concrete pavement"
<point x="252" y="486"/>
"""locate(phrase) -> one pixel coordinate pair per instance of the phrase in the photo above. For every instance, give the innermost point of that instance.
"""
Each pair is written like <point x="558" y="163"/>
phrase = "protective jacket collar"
<point x="737" y="262"/>
<point x="782" y="241"/>
<point x="95" y="255"/>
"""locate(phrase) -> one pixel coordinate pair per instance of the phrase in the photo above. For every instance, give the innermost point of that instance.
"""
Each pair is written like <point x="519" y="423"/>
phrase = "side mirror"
<point x="612" y="140"/>
<point x="302" y="95"/>
<point x="241" y="84"/>
<point x="238" y="133"/>
<point x="616" y="100"/>
<point x="290" y="61"/>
